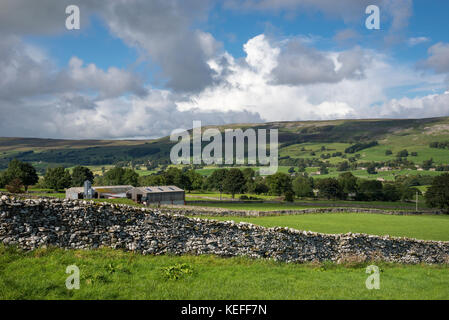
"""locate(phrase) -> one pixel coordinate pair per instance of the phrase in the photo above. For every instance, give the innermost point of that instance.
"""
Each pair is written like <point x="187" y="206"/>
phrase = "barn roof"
<point x="158" y="189"/>
<point x="104" y="189"/>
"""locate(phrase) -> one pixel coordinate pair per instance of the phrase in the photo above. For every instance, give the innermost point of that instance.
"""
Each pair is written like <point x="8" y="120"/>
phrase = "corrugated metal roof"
<point x="159" y="189"/>
<point x="103" y="189"/>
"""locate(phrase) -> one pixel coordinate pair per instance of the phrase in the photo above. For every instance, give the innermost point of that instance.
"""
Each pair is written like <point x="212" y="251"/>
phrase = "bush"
<point x="15" y="186"/>
<point x="402" y="154"/>
<point x="177" y="271"/>
<point x="289" y="196"/>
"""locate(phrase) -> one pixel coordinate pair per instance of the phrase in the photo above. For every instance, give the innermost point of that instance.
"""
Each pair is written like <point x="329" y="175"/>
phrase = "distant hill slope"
<point x="297" y="139"/>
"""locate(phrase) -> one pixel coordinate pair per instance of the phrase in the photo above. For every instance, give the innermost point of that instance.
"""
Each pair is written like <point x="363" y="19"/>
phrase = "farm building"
<point x="102" y="192"/>
<point x="157" y="195"/>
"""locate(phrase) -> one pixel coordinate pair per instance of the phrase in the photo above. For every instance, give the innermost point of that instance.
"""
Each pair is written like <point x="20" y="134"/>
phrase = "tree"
<point x="323" y="169"/>
<point x="279" y="183"/>
<point x="152" y="180"/>
<point x="329" y="188"/>
<point x="388" y="152"/>
<point x="249" y="175"/>
<point x="234" y="181"/>
<point x="130" y="177"/>
<point x="402" y="154"/>
<point x="391" y="192"/>
<point x="261" y="188"/>
<point x="289" y="196"/>
<point x="370" y="190"/>
<point x="348" y="182"/>
<point x="196" y="180"/>
<point x="120" y="176"/>
<point x="409" y="193"/>
<point x="437" y="195"/>
<point x="3" y="180"/>
<point x="81" y="174"/>
<point x="371" y="169"/>
<point x="427" y="164"/>
<point x="303" y="187"/>
<point x="57" y="178"/>
<point x="23" y="171"/>
<point x="173" y="176"/>
<point x="216" y="180"/>
<point x="343" y="166"/>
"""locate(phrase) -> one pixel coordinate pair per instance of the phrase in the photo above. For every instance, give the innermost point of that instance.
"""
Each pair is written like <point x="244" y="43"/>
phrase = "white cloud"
<point x="37" y="99"/>
<point x="250" y="85"/>
<point x="417" y="40"/>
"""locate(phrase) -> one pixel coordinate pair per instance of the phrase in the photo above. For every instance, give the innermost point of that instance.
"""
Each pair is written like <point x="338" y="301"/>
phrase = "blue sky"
<point x="95" y="43"/>
<point x="148" y="62"/>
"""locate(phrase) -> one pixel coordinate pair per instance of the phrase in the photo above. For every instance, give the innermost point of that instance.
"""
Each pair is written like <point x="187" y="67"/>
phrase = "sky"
<point x="139" y="69"/>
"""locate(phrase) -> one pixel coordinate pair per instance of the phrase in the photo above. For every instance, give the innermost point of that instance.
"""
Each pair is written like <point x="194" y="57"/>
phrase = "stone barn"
<point x="157" y="195"/>
<point x="100" y="192"/>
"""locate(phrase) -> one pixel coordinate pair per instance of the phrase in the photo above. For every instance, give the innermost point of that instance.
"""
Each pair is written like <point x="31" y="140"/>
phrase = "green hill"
<point x="298" y="139"/>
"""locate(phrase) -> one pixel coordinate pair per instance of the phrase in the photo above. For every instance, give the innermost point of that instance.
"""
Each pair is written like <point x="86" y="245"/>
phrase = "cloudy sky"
<point x="142" y="68"/>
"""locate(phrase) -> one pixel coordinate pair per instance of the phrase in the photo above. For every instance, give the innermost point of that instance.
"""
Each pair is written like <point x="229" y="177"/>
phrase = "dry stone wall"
<point x="211" y="211"/>
<point x="34" y="223"/>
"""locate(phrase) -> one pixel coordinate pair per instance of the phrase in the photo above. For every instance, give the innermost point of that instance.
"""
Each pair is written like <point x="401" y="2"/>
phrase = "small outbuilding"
<point x="157" y="195"/>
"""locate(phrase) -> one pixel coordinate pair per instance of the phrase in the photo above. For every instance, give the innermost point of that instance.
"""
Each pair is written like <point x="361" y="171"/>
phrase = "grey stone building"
<point x="157" y="195"/>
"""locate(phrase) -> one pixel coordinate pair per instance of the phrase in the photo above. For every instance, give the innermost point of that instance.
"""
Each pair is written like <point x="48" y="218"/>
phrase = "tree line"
<point x="20" y="175"/>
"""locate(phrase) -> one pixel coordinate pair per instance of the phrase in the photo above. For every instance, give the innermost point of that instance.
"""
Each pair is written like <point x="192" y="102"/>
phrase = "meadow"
<point x="426" y="227"/>
<point x="114" y="274"/>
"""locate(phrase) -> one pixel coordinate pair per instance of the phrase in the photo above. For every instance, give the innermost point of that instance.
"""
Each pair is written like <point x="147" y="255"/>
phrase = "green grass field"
<point x="113" y="274"/>
<point x="303" y="204"/>
<point x="429" y="227"/>
<point x="253" y="206"/>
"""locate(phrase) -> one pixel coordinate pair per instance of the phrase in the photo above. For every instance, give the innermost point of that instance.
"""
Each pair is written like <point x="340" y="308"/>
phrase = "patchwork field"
<point x="113" y="274"/>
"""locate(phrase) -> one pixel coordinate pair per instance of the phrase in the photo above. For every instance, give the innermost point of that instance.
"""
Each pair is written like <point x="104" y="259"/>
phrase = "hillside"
<point x="297" y="139"/>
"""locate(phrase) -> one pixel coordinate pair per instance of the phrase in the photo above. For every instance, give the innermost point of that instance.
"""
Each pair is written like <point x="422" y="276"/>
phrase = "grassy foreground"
<point x="429" y="227"/>
<point x="113" y="274"/>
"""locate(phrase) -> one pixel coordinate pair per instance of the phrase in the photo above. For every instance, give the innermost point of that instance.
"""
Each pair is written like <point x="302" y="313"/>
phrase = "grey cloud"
<point x="153" y="116"/>
<point x="163" y="31"/>
<point x="438" y="59"/>
<point x="25" y="74"/>
<point x="346" y="35"/>
<point x="25" y="17"/>
<point x="299" y="65"/>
